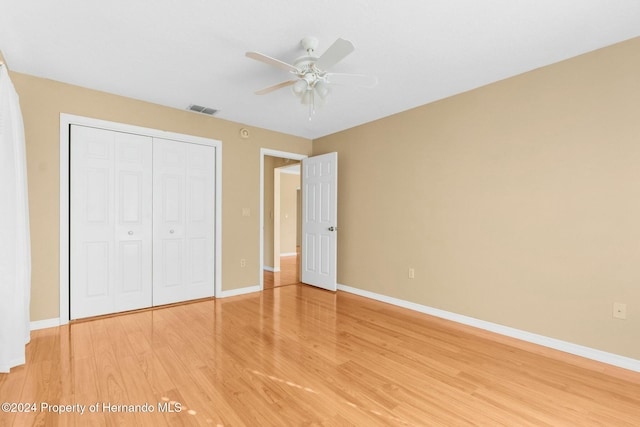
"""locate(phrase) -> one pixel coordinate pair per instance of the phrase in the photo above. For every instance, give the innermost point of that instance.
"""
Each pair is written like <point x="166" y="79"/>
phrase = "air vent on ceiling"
<point x="201" y="109"/>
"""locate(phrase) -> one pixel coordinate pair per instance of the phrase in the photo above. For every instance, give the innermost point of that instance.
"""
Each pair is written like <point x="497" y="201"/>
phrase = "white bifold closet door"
<point x="183" y="221"/>
<point x="111" y="228"/>
<point x="142" y="221"/>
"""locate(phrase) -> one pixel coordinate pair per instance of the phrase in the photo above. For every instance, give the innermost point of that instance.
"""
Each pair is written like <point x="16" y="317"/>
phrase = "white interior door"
<point x="319" y="220"/>
<point x="183" y="221"/>
<point x="111" y="226"/>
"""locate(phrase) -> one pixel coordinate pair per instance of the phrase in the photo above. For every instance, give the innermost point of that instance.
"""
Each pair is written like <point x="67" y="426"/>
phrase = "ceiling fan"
<point x="311" y="81"/>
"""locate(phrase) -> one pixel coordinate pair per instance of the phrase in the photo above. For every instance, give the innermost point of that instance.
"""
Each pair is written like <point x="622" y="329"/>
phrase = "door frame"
<point x="66" y="120"/>
<point x="274" y="153"/>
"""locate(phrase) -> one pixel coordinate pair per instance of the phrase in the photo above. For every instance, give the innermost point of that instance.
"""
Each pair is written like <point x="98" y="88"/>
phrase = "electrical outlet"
<point x="412" y="273"/>
<point x="243" y="263"/>
<point x="619" y="310"/>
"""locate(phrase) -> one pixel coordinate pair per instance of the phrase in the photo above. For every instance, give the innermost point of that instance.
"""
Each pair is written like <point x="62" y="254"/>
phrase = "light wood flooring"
<point x="289" y="273"/>
<point x="296" y="355"/>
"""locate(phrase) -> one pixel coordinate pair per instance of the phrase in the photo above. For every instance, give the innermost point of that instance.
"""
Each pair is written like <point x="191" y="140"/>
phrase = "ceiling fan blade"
<point x="336" y="53"/>
<point x="272" y="61"/>
<point x="274" y="87"/>
<point x="361" y="80"/>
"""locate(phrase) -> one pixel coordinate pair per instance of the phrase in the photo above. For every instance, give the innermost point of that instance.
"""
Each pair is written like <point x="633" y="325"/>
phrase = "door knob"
<point x="171" y="231"/>
<point x="130" y="233"/>
<point x="332" y="228"/>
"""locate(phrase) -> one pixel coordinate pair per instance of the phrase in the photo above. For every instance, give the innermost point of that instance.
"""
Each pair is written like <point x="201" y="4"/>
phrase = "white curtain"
<point x="15" y="251"/>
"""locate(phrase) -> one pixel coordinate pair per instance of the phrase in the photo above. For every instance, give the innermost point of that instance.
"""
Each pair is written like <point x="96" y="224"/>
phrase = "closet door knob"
<point x="171" y="231"/>
<point x="130" y="233"/>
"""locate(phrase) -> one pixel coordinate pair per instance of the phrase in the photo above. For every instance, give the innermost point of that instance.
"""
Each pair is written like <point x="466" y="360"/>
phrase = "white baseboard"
<point x="567" y="347"/>
<point x="52" y="323"/>
<point x="240" y="291"/>
<point x="44" y="324"/>
<point x="289" y="254"/>
<point x="274" y="270"/>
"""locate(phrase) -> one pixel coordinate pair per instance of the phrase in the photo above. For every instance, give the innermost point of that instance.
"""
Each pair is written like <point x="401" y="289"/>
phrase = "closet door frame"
<point x="66" y="120"/>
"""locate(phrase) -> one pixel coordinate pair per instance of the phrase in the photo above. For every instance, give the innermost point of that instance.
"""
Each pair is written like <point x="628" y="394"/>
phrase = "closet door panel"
<point x="110" y="222"/>
<point x="92" y="211"/>
<point x="169" y="165"/>
<point x="200" y="219"/>
<point x="133" y="228"/>
<point x="183" y="221"/>
<point x="172" y="266"/>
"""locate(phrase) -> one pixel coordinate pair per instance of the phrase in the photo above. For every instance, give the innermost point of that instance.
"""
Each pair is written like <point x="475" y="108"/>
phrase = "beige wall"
<point x="289" y="185"/>
<point x="43" y="100"/>
<point x="517" y="203"/>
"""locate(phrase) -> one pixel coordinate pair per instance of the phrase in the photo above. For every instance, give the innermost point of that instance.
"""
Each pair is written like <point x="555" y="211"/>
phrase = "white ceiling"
<point x="181" y="52"/>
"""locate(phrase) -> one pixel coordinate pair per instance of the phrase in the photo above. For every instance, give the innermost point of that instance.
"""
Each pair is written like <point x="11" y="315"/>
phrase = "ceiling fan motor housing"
<point x="309" y="44"/>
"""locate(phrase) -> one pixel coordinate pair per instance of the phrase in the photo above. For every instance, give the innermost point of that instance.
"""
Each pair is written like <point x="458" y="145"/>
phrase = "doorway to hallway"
<point x="280" y="205"/>
<point x="289" y="273"/>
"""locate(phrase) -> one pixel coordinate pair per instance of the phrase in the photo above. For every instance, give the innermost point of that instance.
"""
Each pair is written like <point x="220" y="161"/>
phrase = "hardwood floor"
<point x="297" y="355"/>
<point x="289" y="273"/>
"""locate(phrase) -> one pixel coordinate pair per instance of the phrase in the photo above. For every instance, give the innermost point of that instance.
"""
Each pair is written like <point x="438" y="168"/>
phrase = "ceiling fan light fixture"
<point x="322" y="88"/>
<point x="300" y="87"/>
